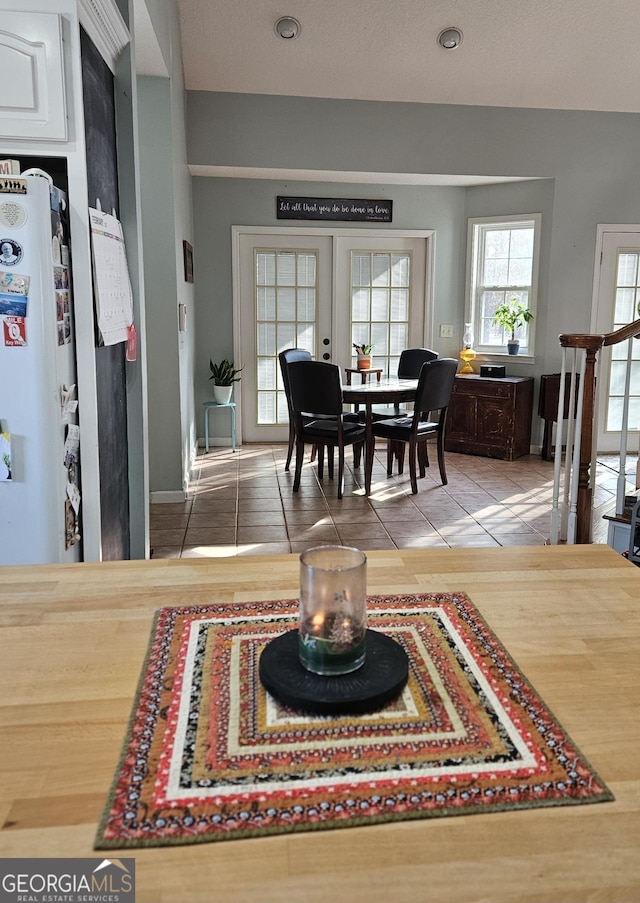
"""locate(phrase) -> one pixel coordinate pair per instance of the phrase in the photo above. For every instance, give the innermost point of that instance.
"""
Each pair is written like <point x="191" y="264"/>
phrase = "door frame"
<point x="604" y="358"/>
<point x="335" y="232"/>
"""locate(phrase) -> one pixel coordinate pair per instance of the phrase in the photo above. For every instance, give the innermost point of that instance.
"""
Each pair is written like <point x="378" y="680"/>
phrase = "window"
<point x="503" y="265"/>
<point x="380" y="297"/>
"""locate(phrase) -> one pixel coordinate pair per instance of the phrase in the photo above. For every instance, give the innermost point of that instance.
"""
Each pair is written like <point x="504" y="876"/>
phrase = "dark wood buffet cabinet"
<point x="490" y="416"/>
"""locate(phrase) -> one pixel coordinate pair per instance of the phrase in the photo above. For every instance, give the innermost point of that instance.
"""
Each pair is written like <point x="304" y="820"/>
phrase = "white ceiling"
<point x="557" y="54"/>
<point x="561" y="54"/>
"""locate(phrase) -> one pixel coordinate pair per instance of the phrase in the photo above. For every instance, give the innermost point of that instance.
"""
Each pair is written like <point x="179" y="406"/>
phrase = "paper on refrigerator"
<point x="114" y="300"/>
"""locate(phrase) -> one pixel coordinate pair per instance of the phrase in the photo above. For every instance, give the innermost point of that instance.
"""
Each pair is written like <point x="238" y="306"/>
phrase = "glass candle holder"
<point x="333" y="609"/>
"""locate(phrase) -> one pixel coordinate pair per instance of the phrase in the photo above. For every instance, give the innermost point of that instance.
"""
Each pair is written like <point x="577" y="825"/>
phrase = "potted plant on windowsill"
<point x="364" y="356"/>
<point x="224" y="375"/>
<point x="511" y="316"/>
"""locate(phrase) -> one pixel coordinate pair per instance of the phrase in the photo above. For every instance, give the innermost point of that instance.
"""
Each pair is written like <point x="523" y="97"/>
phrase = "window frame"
<point x="476" y="228"/>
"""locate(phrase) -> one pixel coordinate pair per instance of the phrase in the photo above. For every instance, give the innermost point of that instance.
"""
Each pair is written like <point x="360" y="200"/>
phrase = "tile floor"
<point x="241" y="503"/>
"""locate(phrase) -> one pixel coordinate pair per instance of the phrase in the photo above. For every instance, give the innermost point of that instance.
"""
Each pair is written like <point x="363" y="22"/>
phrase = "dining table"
<point x="390" y="391"/>
<point x="73" y="641"/>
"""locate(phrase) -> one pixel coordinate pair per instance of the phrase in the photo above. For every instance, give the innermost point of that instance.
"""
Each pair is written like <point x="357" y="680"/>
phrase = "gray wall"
<point x="166" y="223"/>
<point x="221" y="203"/>
<point x="588" y="161"/>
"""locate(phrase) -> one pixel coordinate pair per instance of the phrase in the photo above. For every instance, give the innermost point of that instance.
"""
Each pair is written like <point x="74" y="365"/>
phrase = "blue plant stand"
<point x="208" y="405"/>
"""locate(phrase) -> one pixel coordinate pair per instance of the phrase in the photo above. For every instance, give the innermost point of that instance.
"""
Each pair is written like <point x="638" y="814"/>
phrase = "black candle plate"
<point x="380" y="679"/>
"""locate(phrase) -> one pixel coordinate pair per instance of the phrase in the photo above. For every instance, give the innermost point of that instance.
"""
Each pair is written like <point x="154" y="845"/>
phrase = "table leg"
<point x="547" y="441"/>
<point x="206" y="429"/>
<point x="233" y="428"/>
<point x="369" y="448"/>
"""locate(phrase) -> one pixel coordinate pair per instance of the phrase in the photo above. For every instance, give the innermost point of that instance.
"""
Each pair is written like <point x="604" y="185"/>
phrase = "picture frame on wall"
<point x="188" y="261"/>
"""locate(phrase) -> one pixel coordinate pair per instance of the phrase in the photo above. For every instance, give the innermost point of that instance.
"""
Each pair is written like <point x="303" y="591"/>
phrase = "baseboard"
<point x="216" y="442"/>
<point x="163" y="498"/>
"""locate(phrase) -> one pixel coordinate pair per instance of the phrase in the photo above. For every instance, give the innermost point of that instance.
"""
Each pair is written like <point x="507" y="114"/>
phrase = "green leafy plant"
<point x="512" y="315"/>
<point x="224" y="373"/>
<point x="363" y="349"/>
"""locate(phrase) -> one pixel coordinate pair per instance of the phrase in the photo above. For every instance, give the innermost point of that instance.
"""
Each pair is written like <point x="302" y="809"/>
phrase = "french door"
<point x="616" y="304"/>
<point x="321" y="290"/>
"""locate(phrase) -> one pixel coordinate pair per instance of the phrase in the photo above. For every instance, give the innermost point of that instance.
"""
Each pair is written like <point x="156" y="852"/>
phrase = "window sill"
<point x="500" y="357"/>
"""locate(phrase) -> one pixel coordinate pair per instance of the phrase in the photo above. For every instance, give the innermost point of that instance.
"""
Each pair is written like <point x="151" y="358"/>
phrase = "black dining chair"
<point x="288" y="357"/>
<point x="316" y="399"/>
<point x="433" y="392"/>
<point x="409" y="367"/>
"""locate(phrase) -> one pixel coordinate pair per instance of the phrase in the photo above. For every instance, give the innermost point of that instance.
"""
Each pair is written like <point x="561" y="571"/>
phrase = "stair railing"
<point x="571" y="515"/>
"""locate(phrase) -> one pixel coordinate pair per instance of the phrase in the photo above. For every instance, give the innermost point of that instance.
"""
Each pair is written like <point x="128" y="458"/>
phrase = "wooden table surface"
<point x="72" y="644"/>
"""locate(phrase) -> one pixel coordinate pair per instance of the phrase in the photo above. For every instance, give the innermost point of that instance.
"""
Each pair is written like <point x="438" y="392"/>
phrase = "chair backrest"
<point x="411" y="361"/>
<point x="288" y="357"/>
<point x="435" y="385"/>
<point x="316" y="387"/>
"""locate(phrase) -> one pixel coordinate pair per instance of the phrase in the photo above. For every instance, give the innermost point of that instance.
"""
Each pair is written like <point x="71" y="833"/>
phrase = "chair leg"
<point x="443" y="472"/>
<point x="423" y="458"/>
<point x="399" y="449"/>
<point x="298" y="471"/>
<point x="412" y="466"/>
<point x="340" y="470"/>
<point x="389" y="457"/>
<point x="292" y="440"/>
<point x="330" y="460"/>
<point x="320" y="461"/>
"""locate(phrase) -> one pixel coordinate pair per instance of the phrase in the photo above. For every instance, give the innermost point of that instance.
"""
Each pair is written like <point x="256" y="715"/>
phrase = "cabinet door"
<point x="494" y="421"/>
<point x="31" y="67"/>
<point x="461" y="421"/>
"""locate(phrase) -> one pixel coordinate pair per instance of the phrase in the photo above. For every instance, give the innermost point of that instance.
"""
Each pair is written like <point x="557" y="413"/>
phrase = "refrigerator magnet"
<point x="12" y="214"/>
<point x="15" y="331"/>
<point x="10" y="252"/>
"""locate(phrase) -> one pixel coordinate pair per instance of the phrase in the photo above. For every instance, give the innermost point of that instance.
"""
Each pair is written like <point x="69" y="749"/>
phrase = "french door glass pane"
<point x="381" y="269"/>
<point x="360" y="269"/>
<point x="627" y="292"/>
<point x="380" y="304"/>
<point x="399" y="270"/>
<point x="625" y="305"/>
<point x="360" y="304"/>
<point x="286" y="310"/>
<point x="380" y="293"/>
<point x="286" y="303"/>
<point x="266" y="303"/>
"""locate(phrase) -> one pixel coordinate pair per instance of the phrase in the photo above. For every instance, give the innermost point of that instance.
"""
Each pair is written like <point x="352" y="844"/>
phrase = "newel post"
<point x="591" y="344"/>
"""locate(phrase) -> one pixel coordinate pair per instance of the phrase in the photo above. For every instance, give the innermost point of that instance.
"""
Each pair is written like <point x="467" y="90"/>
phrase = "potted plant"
<point x="511" y="316"/>
<point x="224" y="375"/>
<point x="364" y="356"/>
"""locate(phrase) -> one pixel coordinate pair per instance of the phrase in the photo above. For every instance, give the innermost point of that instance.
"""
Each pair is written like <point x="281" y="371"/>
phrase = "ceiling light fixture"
<point x="450" y="38"/>
<point x="287" y="27"/>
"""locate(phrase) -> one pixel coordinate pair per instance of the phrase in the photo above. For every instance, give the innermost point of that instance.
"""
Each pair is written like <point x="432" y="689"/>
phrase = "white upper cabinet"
<point x="31" y="71"/>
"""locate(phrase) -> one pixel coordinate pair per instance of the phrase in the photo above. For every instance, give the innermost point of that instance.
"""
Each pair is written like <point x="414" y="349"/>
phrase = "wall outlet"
<point x="446" y="332"/>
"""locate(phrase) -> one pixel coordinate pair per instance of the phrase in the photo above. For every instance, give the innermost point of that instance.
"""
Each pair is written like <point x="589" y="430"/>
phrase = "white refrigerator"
<point x="40" y="499"/>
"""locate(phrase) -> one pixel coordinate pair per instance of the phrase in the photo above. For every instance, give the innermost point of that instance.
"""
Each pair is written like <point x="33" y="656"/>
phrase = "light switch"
<point x="446" y="332"/>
